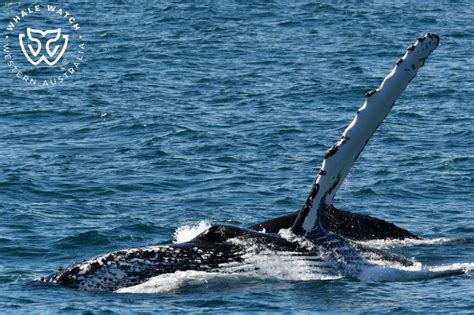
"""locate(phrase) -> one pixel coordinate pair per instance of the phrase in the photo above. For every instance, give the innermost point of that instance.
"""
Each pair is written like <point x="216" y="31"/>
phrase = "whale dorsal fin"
<point x="339" y="159"/>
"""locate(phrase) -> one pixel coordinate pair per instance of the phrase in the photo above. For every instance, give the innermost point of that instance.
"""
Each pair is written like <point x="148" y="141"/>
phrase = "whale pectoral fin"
<point x="340" y="158"/>
<point x="354" y="226"/>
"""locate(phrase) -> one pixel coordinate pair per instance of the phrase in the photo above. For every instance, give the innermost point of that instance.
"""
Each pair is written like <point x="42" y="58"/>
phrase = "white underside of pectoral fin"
<point x="340" y="158"/>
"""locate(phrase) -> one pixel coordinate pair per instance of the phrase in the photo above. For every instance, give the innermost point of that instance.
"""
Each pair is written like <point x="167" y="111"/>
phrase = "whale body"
<point x="221" y="248"/>
<point x="324" y="235"/>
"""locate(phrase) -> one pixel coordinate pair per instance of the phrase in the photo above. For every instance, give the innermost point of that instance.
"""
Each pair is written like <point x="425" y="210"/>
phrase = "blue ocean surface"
<point x="185" y="114"/>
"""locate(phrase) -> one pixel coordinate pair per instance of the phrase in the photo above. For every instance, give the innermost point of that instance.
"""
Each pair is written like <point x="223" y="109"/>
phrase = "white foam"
<point x="265" y="264"/>
<point x="413" y="273"/>
<point x="187" y="232"/>
<point x="465" y="267"/>
<point x="391" y="243"/>
<point x="286" y="266"/>
<point x="170" y="282"/>
<point x="288" y="235"/>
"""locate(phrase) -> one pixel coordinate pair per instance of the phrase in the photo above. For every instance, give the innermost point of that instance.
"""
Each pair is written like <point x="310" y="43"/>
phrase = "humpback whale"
<point x="321" y="234"/>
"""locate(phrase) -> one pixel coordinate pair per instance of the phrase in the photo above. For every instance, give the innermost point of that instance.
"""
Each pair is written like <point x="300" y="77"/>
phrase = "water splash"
<point x="266" y="264"/>
<point x="288" y="235"/>
<point x="408" y="242"/>
<point x="187" y="232"/>
<point x="269" y="265"/>
<point x="172" y="281"/>
<point x="416" y="272"/>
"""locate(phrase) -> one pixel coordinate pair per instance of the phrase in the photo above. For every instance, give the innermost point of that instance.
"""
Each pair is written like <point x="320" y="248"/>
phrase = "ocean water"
<point x="188" y="114"/>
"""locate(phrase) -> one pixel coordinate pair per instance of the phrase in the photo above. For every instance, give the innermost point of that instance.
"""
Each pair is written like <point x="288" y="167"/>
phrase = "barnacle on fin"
<point x="331" y="151"/>
<point x="370" y="93"/>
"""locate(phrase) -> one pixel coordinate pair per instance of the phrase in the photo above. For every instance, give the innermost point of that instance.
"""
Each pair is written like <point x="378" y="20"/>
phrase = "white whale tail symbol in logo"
<point x="34" y="49"/>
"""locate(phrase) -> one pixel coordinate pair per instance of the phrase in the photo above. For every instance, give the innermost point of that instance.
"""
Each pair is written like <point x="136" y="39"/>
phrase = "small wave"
<point x="187" y="232"/>
<point x="464" y="267"/>
<point x="407" y="242"/>
<point x="93" y="237"/>
<point x="10" y="4"/>
<point x="416" y="272"/>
